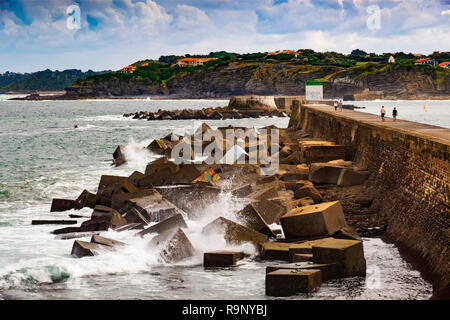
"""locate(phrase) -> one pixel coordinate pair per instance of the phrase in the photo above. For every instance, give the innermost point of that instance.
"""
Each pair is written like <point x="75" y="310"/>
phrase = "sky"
<point x="109" y="34"/>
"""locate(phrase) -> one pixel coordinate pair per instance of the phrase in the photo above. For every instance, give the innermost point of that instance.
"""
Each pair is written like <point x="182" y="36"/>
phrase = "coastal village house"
<point x="296" y="53"/>
<point x="391" y="59"/>
<point x="192" y="61"/>
<point x="445" y="64"/>
<point x="424" y="61"/>
<point x="128" y="69"/>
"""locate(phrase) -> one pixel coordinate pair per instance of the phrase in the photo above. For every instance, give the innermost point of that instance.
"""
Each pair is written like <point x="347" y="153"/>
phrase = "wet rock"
<point x="39" y="222"/>
<point x="59" y="205"/>
<point x="266" y="179"/>
<point x="175" y="246"/>
<point x="315" y="220"/>
<point x="251" y="218"/>
<point x="84" y="249"/>
<point x="293" y="158"/>
<point x="329" y="271"/>
<point x="308" y="191"/>
<point x="283" y="282"/>
<point x="106" y="241"/>
<point x="289" y="176"/>
<point x="119" y="155"/>
<point x="348" y="254"/>
<point x="234" y="233"/>
<point x="174" y="222"/>
<point x="219" y="259"/>
<point x="68" y="230"/>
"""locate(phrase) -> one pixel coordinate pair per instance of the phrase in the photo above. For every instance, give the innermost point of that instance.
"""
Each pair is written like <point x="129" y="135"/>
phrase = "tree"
<point x="358" y="52"/>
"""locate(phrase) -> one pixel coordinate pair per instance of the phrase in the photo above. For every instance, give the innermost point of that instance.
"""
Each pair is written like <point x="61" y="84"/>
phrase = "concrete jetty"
<point x="412" y="184"/>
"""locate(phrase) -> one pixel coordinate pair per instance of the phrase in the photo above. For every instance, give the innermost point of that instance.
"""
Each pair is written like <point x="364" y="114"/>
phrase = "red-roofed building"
<point x="128" y="69"/>
<point x="424" y="61"/>
<point x="193" y="61"/>
<point x="445" y="64"/>
<point x="417" y="54"/>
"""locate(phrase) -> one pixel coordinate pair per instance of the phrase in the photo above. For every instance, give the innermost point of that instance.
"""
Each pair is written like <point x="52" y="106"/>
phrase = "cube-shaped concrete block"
<point x="315" y="220"/>
<point x="221" y="258"/>
<point x="283" y="283"/>
<point x="329" y="270"/>
<point x="348" y="254"/>
<point x="301" y="257"/>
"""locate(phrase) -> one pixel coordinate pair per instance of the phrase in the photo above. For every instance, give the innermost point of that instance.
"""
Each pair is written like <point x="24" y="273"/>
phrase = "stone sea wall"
<point x="412" y="181"/>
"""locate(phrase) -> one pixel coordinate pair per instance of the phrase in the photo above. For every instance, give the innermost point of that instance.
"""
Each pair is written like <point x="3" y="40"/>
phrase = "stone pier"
<point x="412" y="181"/>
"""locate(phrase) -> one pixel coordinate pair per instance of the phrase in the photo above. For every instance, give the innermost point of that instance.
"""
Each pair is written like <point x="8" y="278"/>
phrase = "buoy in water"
<point x="75" y="126"/>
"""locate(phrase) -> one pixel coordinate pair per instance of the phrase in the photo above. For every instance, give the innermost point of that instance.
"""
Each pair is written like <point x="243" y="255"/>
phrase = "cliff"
<point x="234" y="79"/>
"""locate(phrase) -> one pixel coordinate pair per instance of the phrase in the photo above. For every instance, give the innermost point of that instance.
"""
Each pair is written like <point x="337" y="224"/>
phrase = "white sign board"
<point x="314" y="92"/>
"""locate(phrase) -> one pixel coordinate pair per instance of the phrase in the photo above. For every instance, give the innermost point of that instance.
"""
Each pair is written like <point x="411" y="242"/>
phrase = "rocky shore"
<point x="292" y="217"/>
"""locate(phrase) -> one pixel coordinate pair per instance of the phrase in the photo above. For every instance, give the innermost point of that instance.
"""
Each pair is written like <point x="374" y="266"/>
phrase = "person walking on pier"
<point x="335" y="106"/>
<point x="340" y="105"/>
<point x="383" y="113"/>
<point x="394" y="114"/>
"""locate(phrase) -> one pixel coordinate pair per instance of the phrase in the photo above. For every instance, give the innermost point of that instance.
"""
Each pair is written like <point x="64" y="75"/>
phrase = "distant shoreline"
<point x="59" y="95"/>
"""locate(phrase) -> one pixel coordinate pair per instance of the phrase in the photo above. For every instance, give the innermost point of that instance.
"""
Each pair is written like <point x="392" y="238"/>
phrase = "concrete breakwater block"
<point x="129" y="226"/>
<point x="133" y="215"/>
<point x="221" y="258"/>
<point x="320" y="151"/>
<point x="119" y="155"/>
<point x="348" y="254"/>
<point x="269" y="210"/>
<point x="110" y="185"/>
<point x="302" y="257"/>
<point x="39" y="222"/>
<point x="325" y="173"/>
<point x="285" y="282"/>
<point x="329" y="270"/>
<point x="86" y="199"/>
<point x="121" y="203"/>
<point x="234" y="233"/>
<point x="175" y="221"/>
<point x="161" y="164"/>
<point x="59" y="205"/>
<point x="308" y="191"/>
<point x="251" y="218"/>
<point x="350" y="177"/>
<point x="174" y="246"/>
<point x="84" y="249"/>
<point x="106" y="241"/>
<point x="315" y="220"/>
<point x="277" y="250"/>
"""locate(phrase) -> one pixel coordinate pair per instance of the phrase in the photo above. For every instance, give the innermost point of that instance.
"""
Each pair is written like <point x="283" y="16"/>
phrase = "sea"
<point x="42" y="157"/>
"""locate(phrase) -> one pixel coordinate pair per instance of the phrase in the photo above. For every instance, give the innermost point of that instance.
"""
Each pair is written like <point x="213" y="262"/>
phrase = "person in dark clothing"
<point x="394" y="114"/>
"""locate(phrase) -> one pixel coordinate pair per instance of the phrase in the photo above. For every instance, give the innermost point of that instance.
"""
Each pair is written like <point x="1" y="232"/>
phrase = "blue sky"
<point x="34" y="34"/>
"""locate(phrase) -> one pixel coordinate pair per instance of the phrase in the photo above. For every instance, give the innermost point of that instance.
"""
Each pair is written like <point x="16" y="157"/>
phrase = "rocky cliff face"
<point x="273" y="79"/>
